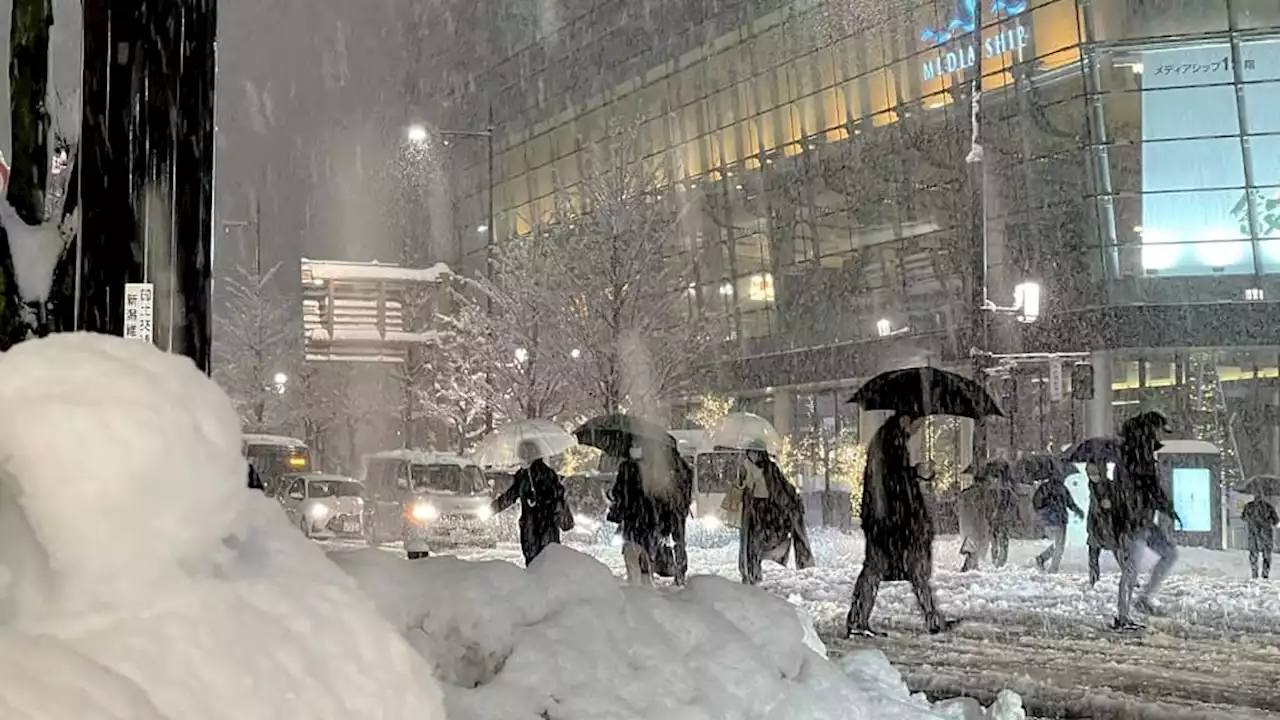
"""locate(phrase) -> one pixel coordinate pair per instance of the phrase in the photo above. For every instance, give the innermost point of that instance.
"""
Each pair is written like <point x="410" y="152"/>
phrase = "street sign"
<point x="139" y="304"/>
<point x="1055" y="379"/>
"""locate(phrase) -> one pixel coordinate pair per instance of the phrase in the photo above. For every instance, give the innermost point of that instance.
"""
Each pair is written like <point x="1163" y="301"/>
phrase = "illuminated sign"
<point x="1192" y="488"/>
<point x="965" y="21"/>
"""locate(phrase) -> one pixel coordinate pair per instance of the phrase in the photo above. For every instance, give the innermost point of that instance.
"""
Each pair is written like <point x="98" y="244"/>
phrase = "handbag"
<point x="664" y="561"/>
<point x="564" y="516"/>
<point x="732" y="503"/>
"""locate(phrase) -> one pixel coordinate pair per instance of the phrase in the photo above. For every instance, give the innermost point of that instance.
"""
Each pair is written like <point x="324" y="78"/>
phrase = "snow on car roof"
<point x="422" y="457"/>
<point x="1188" y="447"/>
<point x="264" y="439"/>
<point x="322" y="477"/>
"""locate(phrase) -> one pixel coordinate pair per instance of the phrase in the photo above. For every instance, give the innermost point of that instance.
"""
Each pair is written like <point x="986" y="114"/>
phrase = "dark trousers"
<point x="874" y="568"/>
<point x="1259" y="551"/>
<point x="1000" y="546"/>
<point x="678" y="549"/>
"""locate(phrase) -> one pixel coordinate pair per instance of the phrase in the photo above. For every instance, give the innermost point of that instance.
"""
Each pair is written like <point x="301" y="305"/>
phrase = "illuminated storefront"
<point x="1131" y="165"/>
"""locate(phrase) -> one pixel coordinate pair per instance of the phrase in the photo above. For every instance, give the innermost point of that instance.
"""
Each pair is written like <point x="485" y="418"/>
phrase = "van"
<point x="425" y="500"/>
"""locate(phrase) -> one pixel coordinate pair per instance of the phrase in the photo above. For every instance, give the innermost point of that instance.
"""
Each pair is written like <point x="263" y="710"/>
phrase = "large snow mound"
<point x="140" y="579"/>
<point x="563" y="640"/>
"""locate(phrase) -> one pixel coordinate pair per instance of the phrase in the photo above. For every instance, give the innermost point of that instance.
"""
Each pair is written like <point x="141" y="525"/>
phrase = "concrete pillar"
<point x="1099" y="418"/>
<point x="966" y="444"/>
<point x="784" y="411"/>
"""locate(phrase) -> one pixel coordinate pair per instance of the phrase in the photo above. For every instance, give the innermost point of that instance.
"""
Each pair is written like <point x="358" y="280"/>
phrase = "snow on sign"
<point x="139" y="303"/>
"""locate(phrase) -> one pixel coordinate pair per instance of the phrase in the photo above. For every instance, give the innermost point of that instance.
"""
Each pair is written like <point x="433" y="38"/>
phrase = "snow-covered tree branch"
<point x="257" y="336"/>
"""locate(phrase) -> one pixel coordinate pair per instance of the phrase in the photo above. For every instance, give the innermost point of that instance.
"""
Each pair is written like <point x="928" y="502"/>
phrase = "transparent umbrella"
<point x="743" y="430"/>
<point x="501" y="449"/>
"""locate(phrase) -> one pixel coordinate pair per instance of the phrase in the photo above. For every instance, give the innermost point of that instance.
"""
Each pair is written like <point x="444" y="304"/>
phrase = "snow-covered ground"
<point x="1043" y="635"/>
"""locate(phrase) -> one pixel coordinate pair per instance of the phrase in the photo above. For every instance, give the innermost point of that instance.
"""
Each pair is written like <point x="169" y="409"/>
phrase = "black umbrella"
<point x="616" y="434"/>
<point x="923" y="391"/>
<point x="1096" y="450"/>
<point x="1262" y="486"/>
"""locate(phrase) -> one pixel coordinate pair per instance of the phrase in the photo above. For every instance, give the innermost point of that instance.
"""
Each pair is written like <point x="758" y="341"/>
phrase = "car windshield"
<point x="333" y="488"/>
<point x="448" y="479"/>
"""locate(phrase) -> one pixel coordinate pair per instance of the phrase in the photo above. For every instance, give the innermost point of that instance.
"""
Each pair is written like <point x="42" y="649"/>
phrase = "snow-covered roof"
<point x="264" y="439"/>
<point x="337" y="270"/>
<point x="422" y="457"/>
<point x="1188" y="447"/>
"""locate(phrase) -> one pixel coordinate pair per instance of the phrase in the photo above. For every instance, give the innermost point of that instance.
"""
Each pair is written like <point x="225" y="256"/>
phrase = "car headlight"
<point x="425" y="511"/>
<point x="318" y="512"/>
<point x="483" y="513"/>
<point x="711" y="522"/>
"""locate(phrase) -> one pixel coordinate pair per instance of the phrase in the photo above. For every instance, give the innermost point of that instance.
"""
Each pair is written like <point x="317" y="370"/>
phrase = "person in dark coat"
<point x="544" y="512"/>
<point x="1003" y="504"/>
<point x="673" y="514"/>
<point x="638" y="518"/>
<point x="1138" y="496"/>
<point x="1261" y="518"/>
<point x="1101" y="531"/>
<point x="975" y="513"/>
<point x="1052" y="502"/>
<point x="772" y="519"/>
<point x="898" y="528"/>
<point x="255" y="480"/>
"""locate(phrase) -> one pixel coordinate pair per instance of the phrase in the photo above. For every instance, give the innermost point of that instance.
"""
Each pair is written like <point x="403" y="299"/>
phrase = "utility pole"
<point x="146" y="142"/>
<point x="980" y="327"/>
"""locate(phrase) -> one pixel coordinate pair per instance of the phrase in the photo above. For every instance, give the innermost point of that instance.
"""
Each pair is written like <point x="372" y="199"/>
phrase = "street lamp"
<point x="1026" y="303"/>
<point x="417" y="133"/>
<point x="280" y="380"/>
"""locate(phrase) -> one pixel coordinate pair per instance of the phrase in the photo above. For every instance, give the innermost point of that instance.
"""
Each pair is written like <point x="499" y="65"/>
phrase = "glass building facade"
<point x="1130" y="165"/>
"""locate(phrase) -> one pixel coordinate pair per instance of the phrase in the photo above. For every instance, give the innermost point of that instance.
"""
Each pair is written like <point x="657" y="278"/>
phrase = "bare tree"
<point x="258" y="334"/>
<point x="619" y="264"/>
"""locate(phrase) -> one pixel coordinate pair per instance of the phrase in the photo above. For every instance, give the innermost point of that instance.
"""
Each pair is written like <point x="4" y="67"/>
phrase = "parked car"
<point x="426" y="500"/>
<point x="323" y="506"/>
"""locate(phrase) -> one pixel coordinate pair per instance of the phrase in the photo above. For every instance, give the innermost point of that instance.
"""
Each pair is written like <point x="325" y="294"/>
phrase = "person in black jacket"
<point x="673" y="514"/>
<point x="1052" y="502"/>
<point x="1004" y="510"/>
<point x="255" y="480"/>
<point x="1138" y="496"/>
<point x="638" y="517"/>
<point x="1101" y="531"/>
<point x="1261" y="518"/>
<point x="898" y="528"/>
<point x="773" y="524"/>
<point x="544" y="512"/>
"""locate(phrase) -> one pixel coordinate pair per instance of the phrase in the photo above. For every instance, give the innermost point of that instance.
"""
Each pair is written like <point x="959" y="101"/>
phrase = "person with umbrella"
<point x="1100" y="524"/>
<point x="895" y="520"/>
<point x="1138" y="497"/>
<point x="772" y="518"/>
<point x="1052" y="501"/>
<point x="1261" y="518"/>
<point x="673" y="512"/>
<point x="637" y="515"/>
<point x="544" y="512"/>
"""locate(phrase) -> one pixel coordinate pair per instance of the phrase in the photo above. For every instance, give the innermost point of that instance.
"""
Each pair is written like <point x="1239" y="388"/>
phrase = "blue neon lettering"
<point x="966" y="19"/>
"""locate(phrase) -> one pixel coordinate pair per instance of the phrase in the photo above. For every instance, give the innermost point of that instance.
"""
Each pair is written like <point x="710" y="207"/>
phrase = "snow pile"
<point x="139" y="578"/>
<point x="563" y="641"/>
<point x="35" y="251"/>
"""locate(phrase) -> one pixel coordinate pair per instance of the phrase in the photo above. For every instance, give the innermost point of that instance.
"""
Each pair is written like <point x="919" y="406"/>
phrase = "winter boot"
<point x="1127" y="625"/>
<point x="855" y="630"/>
<point x="943" y="626"/>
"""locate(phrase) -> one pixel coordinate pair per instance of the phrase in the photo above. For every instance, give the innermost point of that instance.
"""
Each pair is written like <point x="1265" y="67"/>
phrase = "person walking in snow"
<point x="772" y="518"/>
<point x="1052" y="502"/>
<point x="1101" y="527"/>
<point x="1138" y="496"/>
<point x="255" y="480"/>
<point x="975" y="511"/>
<point x="1003" y="504"/>
<point x="673" y="514"/>
<point x="544" y="512"/>
<point x="1261" y="518"/>
<point x="897" y="526"/>
<point x="637" y="516"/>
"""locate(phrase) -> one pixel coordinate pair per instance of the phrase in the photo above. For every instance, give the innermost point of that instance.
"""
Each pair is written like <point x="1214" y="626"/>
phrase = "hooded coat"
<point x="895" y="517"/>
<point x="544" y="513"/>
<point x="1137" y="492"/>
<point x="1261" y="518"/>
<point x="976" y="509"/>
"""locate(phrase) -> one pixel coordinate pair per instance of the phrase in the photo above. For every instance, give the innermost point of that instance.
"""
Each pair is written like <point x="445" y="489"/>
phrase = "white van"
<point x="425" y="500"/>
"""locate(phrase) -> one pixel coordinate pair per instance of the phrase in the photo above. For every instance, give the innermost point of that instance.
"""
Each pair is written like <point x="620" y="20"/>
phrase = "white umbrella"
<point x="501" y="448"/>
<point x="743" y="431"/>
